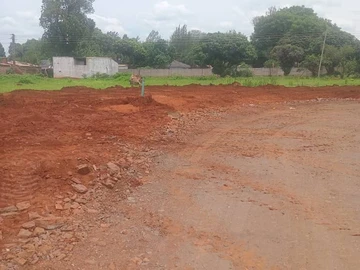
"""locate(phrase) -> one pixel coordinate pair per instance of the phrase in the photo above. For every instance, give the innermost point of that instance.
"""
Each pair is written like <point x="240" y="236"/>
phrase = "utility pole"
<point x="13" y="47"/>
<point x="322" y="53"/>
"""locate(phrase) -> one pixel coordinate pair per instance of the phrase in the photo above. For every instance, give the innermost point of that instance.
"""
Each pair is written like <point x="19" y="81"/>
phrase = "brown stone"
<point x="23" y="206"/>
<point x="76" y="180"/>
<point x="34" y="215"/>
<point x="51" y="223"/>
<point x="39" y="231"/>
<point x="20" y="261"/>
<point x="113" y="167"/>
<point x="8" y="209"/>
<point x="75" y="205"/>
<point x="83" y="169"/>
<point x="58" y="206"/>
<point x="24" y="233"/>
<point x="79" y="188"/>
<point x="109" y="183"/>
<point x="28" y="225"/>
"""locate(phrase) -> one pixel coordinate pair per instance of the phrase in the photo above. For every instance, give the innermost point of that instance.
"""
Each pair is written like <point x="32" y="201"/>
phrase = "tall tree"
<point x="15" y="51"/>
<point x="180" y="41"/>
<point x="2" y="51"/>
<point x="66" y="24"/>
<point x="154" y="36"/>
<point x="299" y="26"/>
<point x="287" y="55"/>
<point x="32" y="51"/>
<point x="224" y="51"/>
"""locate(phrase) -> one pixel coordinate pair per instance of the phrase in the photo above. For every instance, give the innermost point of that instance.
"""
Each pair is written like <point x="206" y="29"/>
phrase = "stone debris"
<point x="39" y="231"/>
<point x="113" y="167"/>
<point x="8" y="209"/>
<point x="76" y="180"/>
<point x="23" y="206"/>
<point x="79" y="188"/>
<point x="51" y="223"/>
<point x="28" y="225"/>
<point x="109" y="183"/>
<point x="20" y="261"/>
<point x="83" y="169"/>
<point x="24" y="233"/>
<point x="34" y="215"/>
<point x="58" y="206"/>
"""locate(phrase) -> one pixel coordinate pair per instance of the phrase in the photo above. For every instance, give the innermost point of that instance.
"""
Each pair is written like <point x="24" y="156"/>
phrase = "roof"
<point x="177" y="64"/>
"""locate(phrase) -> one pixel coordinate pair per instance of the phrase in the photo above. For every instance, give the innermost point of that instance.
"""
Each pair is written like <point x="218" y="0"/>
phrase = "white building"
<point x="70" y="67"/>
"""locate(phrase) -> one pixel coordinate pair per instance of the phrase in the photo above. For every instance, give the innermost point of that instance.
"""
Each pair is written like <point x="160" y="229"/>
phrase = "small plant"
<point x="25" y="81"/>
<point x="10" y="71"/>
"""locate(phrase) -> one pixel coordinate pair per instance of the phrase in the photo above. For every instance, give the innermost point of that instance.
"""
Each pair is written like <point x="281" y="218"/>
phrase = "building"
<point x="70" y="67"/>
<point x="178" y="65"/>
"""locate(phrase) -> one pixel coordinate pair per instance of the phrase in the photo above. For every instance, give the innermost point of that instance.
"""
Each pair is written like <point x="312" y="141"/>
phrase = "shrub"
<point x="25" y="81"/>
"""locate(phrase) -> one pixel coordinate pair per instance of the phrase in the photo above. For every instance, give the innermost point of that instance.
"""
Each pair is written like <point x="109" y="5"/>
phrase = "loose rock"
<point x="59" y="207"/>
<point x="8" y="209"/>
<point x="113" y="167"/>
<point x="23" y="206"/>
<point x="83" y="169"/>
<point x="51" y="223"/>
<point x="109" y="184"/>
<point x="20" y="261"/>
<point x="75" y="205"/>
<point x="38" y="231"/>
<point x="79" y="188"/>
<point x="34" y="215"/>
<point x="28" y="225"/>
<point x="24" y="233"/>
<point x="76" y="180"/>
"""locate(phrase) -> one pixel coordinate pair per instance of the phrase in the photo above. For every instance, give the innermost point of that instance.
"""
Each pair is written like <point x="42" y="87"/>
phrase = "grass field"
<point x="12" y="82"/>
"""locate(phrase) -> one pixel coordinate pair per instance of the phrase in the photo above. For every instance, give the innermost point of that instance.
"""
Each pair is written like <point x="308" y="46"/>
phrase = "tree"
<point x="347" y="64"/>
<point x="287" y="55"/>
<point x="32" y="51"/>
<point x="270" y="64"/>
<point x="66" y="24"/>
<point x="332" y="59"/>
<point x="15" y="51"/>
<point x="154" y="36"/>
<point x="299" y="26"/>
<point x="224" y="51"/>
<point x="158" y="54"/>
<point x="2" y="51"/>
<point x="180" y="41"/>
<point x="311" y="62"/>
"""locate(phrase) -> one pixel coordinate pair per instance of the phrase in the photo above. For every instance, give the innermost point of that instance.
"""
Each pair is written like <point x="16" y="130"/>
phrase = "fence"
<point x="196" y="72"/>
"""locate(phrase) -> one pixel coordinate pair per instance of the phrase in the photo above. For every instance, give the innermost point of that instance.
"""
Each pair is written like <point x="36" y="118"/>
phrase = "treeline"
<point x="283" y="38"/>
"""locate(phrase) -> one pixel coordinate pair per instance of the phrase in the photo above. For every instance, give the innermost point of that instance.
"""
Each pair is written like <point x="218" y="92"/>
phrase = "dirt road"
<point x="266" y="185"/>
<point x="261" y="189"/>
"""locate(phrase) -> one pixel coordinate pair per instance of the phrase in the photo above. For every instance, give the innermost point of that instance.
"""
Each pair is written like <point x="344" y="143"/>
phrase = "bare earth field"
<point x="193" y="177"/>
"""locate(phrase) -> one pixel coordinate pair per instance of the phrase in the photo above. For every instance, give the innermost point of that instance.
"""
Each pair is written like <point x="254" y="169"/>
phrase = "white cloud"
<point x="163" y="11"/>
<point x="226" y="24"/>
<point x="108" y="24"/>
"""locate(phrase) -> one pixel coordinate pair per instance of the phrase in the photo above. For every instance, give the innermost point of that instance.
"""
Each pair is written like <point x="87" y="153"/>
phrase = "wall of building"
<point x="66" y="67"/>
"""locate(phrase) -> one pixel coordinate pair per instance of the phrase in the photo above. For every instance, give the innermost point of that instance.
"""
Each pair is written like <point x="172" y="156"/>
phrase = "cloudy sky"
<point x="138" y="18"/>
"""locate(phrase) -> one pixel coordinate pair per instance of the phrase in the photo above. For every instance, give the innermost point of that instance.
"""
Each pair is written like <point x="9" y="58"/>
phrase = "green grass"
<point x="12" y="82"/>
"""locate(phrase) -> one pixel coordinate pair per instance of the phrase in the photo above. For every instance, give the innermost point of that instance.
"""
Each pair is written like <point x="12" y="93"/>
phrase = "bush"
<point x="10" y="71"/>
<point x="25" y="81"/>
<point x="100" y="76"/>
<point x="243" y="70"/>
